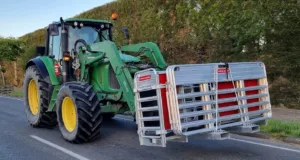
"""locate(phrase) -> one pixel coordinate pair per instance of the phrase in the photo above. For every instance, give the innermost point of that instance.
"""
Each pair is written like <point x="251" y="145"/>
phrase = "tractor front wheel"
<point x="37" y="94"/>
<point x="78" y="112"/>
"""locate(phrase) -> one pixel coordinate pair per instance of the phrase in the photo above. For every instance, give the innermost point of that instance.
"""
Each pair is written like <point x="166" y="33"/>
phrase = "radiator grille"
<point x="114" y="84"/>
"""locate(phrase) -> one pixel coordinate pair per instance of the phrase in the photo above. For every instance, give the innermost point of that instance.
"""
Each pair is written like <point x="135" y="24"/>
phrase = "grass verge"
<point x="16" y="93"/>
<point x="278" y="128"/>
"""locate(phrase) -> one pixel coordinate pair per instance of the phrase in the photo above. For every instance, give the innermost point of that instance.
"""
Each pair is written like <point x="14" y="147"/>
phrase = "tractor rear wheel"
<point x="37" y="93"/>
<point x="78" y="112"/>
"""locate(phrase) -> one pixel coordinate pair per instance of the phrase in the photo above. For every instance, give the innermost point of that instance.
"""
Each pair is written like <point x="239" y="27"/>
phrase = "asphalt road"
<point x="119" y="140"/>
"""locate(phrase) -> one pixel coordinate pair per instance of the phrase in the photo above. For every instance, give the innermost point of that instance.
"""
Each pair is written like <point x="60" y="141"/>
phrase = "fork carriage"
<point x="208" y="99"/>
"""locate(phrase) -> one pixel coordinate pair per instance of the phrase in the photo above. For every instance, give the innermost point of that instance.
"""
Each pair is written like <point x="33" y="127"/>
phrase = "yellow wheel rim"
<point x="33" y="97"/>
<point x="69" y="114"/>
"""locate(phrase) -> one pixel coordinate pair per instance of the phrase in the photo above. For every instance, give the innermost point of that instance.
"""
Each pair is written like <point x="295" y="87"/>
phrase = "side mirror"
<point x="53" y="30"/>
<point x="126" y="33"/>
<point x="41" y="50"/>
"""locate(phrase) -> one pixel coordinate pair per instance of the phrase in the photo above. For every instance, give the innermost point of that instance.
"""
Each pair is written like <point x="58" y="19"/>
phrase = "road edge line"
<point x="75" y="155"/>
<point x="266" y="145"/>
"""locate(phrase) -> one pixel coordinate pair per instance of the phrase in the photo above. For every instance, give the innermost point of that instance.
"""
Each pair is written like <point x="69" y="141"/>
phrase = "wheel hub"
<point x="69" y="115"/>
<point x="33" y="97"/>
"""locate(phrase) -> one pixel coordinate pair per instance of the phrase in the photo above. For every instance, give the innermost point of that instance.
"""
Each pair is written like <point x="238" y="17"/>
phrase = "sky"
<point x="18" y="17"/>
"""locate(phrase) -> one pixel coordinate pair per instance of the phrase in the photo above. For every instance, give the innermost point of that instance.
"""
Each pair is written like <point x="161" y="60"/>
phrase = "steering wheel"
<point x="81" y="41"/>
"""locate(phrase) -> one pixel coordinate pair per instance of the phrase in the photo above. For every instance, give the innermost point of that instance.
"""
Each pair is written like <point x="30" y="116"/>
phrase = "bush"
<point x="27" y="55"/>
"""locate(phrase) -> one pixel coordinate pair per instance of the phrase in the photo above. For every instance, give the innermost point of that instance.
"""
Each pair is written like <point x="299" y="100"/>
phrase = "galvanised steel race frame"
<point x="205" y="99"/>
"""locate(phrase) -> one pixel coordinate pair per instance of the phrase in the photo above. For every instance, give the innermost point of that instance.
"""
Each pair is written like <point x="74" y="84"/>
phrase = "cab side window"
<point x="54" y="45"/>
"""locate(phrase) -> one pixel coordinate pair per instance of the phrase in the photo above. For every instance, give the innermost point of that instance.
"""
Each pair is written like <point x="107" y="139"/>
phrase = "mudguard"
<point x="46" y="68"/>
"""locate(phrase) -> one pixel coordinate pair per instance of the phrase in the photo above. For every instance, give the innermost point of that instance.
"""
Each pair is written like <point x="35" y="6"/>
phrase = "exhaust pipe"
<point x="64" y="48"/>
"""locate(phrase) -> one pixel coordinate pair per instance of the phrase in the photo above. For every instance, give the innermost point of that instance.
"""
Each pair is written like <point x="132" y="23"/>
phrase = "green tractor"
<point x="81" y="78"/>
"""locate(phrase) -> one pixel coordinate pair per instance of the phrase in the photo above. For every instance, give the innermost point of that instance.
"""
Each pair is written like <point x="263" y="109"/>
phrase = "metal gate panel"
<point x="149" y="108"/>
<point x="210" y="97"/>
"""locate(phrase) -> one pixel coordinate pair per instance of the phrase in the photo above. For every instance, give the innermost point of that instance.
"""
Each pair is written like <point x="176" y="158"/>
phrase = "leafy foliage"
<point x="193" y="31"/>
<point x="10" y="49"/>
<point x="29" y="53"/>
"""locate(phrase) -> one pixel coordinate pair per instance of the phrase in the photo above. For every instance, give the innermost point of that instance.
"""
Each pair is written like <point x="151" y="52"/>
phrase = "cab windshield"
<point x="88" y="33"/>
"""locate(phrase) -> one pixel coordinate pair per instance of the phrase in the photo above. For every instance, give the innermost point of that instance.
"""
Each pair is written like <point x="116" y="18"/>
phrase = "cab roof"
<point x="84" y="20"/>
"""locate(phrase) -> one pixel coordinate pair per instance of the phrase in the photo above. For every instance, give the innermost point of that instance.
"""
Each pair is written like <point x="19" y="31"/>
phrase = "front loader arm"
<point x="151" y="50"/>
<point x="123" y="75"/>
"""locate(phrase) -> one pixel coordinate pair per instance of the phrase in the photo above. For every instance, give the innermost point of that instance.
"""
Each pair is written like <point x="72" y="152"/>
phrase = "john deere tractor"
<point x="81" y="78"/>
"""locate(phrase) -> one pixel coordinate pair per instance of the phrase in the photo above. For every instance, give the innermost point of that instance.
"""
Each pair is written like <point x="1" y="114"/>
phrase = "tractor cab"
<point x="65" y="38"/>
<point x="68" y="35"/>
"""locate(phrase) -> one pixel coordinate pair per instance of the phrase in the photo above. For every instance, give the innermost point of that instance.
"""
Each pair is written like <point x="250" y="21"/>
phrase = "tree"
<point x="10" y="49"/>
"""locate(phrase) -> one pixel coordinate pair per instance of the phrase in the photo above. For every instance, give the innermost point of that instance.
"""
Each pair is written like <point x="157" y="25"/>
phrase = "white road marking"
<point x="75" y="155"/>
<point x="266" y="145"/>
<point x="11" y="98"/>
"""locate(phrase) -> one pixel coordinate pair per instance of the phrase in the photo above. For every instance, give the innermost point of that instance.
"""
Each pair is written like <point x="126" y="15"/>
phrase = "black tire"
<point x="45" y="89"/>
<point x="88" y="112"/>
